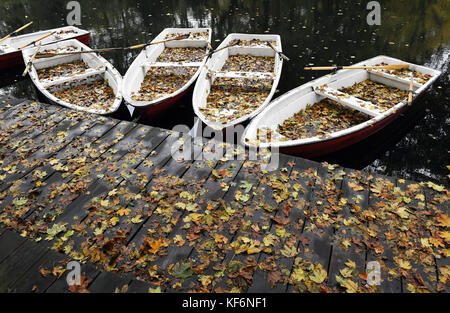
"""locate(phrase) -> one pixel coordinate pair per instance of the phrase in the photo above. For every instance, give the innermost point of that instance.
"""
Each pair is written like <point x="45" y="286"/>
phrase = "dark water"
<point x="313" y="33"/>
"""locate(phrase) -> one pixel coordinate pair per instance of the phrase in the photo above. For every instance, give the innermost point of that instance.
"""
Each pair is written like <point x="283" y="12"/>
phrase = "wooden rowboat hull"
<point x="323" y="148"/>
<point x="14" y="59"/>
<point x="97" y="68"/>
<point x="328" y="86"/>
<point x="148" y="57"/>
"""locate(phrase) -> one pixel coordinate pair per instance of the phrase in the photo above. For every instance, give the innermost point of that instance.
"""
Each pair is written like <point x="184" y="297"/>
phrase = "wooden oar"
<point x="30" y="62"/>
<point x="282" y="55"/>
<point x="16" y="31"/>
<point x="209" y="54"/>
<point x="377" y="67"/>
<point x="158" y="42"/>
<point x="49" y="55"/>
<point x="37" y="40"/>
<point x="411" y="91"/>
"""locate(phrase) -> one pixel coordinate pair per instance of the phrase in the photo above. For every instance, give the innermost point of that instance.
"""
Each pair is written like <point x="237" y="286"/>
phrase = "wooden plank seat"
<point x="349" y="101"/>
<point x="74" y="77"/>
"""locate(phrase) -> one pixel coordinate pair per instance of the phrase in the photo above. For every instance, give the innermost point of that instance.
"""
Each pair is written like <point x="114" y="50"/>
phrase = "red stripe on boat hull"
<point x="326" y="147"/>
<point x="11" y="60"/>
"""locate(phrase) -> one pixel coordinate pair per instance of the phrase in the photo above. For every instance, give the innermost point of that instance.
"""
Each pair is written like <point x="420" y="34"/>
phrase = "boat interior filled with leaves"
<point x="81" y="81"/>
<point x="338" y="110"/>
<point x="166" y="69"/>
<point x="11" y="48"/>
<point x="239" y="80"/>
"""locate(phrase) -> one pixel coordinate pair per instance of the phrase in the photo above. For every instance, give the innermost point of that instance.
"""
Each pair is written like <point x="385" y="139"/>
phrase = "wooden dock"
<point x="108" y="194"/>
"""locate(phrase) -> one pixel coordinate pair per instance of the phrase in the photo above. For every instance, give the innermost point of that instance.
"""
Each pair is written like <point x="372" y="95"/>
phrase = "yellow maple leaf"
<point x="406" y="265"/>
<point x="123" y="211"/>
<point x="444" y="220"/>
<point x="319" y="274"/>
<point x="350" y="264"/>
<point x="445" y="235"/>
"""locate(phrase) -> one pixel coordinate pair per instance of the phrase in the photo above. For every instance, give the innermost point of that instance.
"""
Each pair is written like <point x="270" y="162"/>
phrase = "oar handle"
<point x="158" y="42"/>
<point x="137" y="46"/>
<point x="281" y="54"/>
<point x="16" y="31"/>
<point x="50" y="55"/>
<point x="37" y="40"/>
<point x="411" y="91"/>
<point x="30" y="62"/>
<point x="23" y="27"/>
<point x="330" y="68"/>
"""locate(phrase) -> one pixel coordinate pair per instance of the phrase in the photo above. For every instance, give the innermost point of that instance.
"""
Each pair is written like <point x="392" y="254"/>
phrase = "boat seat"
<point x="172" y="64"/>
<point x="403" y="80"/>
<point x="243" y="75"/>
<point x="349" y="101"/>
<point x="67" y="79"/>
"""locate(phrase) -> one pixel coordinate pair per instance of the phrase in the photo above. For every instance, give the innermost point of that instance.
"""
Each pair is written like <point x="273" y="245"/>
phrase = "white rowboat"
<point x="88" y="69"/>
<point x="327" y="87"/>
<point x="254" y="48"/>
<point x="149" y="61"/>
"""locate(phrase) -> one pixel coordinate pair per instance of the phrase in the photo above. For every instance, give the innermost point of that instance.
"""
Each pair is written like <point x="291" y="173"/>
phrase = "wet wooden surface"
<point x="44" y="146"/>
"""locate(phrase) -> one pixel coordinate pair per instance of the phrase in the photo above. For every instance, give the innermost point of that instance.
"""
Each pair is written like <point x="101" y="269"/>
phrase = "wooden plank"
<point x="422" y="275"/>
<point x="347" y="100"/>
<point x="300" y="182"/>
<point x="438" y="204"/>
<point x="89" y="272"/>
<point x="258" y="218"/>
<point x="114" y="178"/>
<point x="57" y="162"/>
<point x="108" y="282"/>
<point x="23" y="132"/>
<point x="9" y="241"/>
<point x="14" y="266"/>
<point x="348" y="240"/>
<point x="33" y="280"/>
<point x="8" y="100"/>
<point x="44" y="146"/>
<point x="379" y="246"/>
<point x="139" y="286"/>
<point x="46" y="204"/>
<point x="223" y="175"/>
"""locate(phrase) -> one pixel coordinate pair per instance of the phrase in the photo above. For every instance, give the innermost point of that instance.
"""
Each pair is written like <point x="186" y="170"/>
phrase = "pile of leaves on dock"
<point x="161" y="81"/>
<point x="383" y="96"/>
<point x="232" y="98"/>
<point x="303" y="227"/>
<point x="407" y="73"/>
<point x="319" y="120"/>
<point x="192" y="35"/>
<point x="95" y="95"/>
<point x="249" y="63"/>
<point x="66" y="69"/>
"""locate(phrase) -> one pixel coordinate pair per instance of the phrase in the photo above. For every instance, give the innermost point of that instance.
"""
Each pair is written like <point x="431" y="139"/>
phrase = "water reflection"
<point x="314" y="32"/>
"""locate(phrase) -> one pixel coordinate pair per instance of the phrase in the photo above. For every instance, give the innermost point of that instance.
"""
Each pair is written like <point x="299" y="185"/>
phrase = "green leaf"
<point x="245" y="184"/>
<point x="182" y="270"/>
